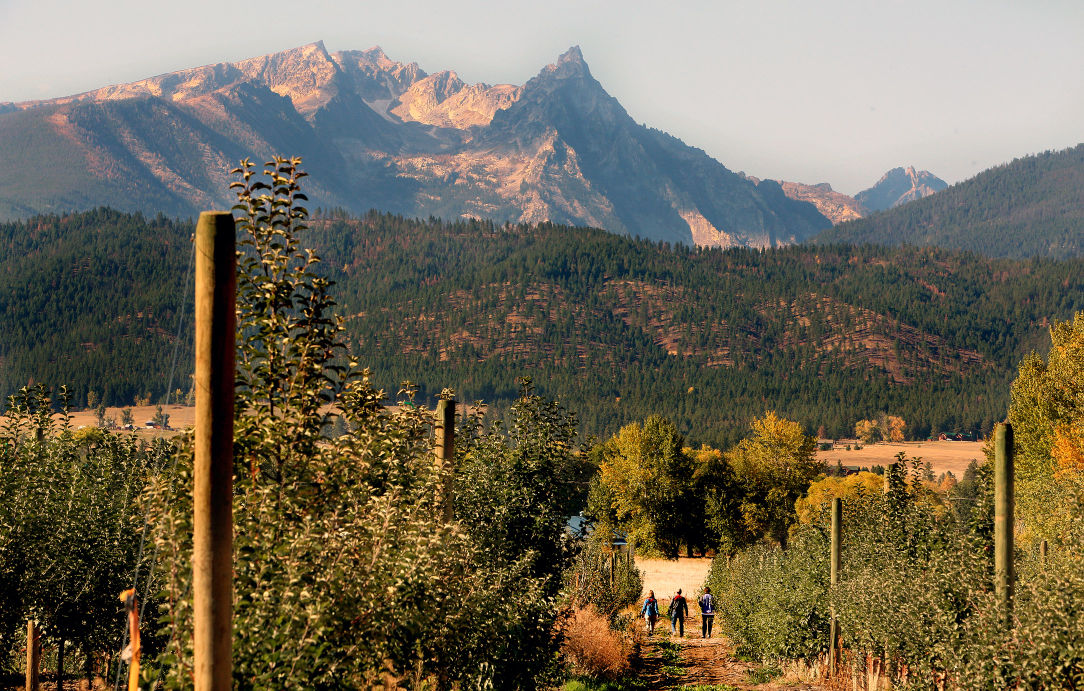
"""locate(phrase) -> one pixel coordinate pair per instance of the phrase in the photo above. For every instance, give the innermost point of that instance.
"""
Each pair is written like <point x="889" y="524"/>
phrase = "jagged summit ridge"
<point x="378" y="133"/>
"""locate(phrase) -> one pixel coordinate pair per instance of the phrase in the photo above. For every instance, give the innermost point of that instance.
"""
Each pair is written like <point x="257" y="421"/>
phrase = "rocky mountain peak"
<point x="899" y="186"/>
<point x="376" y="57"/>
<point x="377" y="78"/>
<point x="573" y="54"/>
<point x="569" y="64"/>
<point x="446" y="84"/>
<point x="835" y="206"/>
<point x="558" y="148"/>
<point x="305" y="75"/>
<point x="445" y="100"/>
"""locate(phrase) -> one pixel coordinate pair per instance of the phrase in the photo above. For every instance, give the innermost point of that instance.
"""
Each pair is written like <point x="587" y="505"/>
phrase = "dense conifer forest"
<point x="1030" y="207"/>
<point x="616" y="328"/>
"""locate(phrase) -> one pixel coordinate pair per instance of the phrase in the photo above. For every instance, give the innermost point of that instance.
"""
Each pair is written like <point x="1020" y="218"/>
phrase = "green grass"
<point x="763" y="674"/>
<point x="629" y="684"/>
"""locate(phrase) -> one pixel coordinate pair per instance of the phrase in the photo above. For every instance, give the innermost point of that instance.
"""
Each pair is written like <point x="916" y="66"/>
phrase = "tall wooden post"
<point x="134" y="651"/>
<point x="212" y="494"/>
<point x="835" y="558"/>
<point x="33" y="655"/>
<point x="446" y="454"/>
<point x="1004" y="573"/>
<point x="1043" y="549"/>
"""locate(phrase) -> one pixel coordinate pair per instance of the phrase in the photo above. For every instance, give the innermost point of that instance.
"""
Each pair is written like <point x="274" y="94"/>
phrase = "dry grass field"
<point x="180" y="417"/>
<point x="944" y="456"/>
<point x="665" y="576"/>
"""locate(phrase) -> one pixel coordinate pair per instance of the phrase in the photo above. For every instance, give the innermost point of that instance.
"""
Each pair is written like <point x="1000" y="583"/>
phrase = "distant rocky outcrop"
<point x="376" y="133"/>
<point x="835" y="206"/>
<point x="899" y="186"/>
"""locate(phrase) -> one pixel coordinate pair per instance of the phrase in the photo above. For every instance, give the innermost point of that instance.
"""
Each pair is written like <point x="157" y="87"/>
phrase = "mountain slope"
<point x="375" y="133"/>
<point x="899" y="186"/>
<point x="835" y="206"/>
<point x="617" y="328"/>
<point x="1031" y="207"/>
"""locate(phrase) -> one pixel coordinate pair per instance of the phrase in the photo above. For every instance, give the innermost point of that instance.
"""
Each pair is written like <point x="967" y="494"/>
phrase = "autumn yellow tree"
<point x="774" y="466"/>
<point x="818" y="500"/>
<point x="644" y="487"/>
<point x="1047" y="412"/>
<point x="866" y="430"/>
<point x="885" y="428"/>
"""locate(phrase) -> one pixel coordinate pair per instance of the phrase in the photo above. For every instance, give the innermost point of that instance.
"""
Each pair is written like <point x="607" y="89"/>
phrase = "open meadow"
<point x="944" y="456"/>
<point x="181" y="417"/>
<point x="665" y="576"/>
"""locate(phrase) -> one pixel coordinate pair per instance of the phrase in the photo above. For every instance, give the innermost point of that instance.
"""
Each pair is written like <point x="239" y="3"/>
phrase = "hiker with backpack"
<point x="650" y="611"/>
<point x="678" y="610"/>
<point x="707" y="612"/>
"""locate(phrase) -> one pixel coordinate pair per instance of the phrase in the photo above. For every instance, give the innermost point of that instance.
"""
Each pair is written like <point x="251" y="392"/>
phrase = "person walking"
<point x="678" y="610"/>
<point x="650" y="611"/>
<point x="707" y="612"/>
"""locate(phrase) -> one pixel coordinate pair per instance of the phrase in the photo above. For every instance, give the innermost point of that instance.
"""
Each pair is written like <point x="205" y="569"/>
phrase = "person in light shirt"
<point x="707" y="612"/>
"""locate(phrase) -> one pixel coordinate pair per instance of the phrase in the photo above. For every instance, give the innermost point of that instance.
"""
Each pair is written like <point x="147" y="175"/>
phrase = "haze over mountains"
<point x="376" y="133"/>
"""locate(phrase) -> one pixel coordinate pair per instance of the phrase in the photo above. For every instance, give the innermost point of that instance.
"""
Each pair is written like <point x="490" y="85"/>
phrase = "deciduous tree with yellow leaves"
<point x="774" y="467"/>
<point x="885" y="428"/>
<point x="1047" y="413"/>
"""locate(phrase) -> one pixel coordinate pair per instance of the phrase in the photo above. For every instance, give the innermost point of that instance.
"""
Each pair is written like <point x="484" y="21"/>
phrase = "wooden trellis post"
<point x="445" y="438"/>
<point x="212" y="493"/>
<point x="33" y="655"/>
<point x="835" y="558"/>
<point x="135" y="649"/>
<point x="1004" y="572"/>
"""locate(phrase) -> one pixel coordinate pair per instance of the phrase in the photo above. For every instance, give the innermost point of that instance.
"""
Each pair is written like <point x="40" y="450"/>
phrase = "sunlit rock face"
<point x="377" y="133"/>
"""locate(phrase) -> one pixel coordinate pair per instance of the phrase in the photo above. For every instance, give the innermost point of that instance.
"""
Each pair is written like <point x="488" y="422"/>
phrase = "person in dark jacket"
<point x="679" y="609"/>
<point x="707" y="612"/>
<point x="650" y="611"/>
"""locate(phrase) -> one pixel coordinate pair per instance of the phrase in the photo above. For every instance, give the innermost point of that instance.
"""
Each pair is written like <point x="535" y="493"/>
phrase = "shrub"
<point x="69" y="528"/>
<point x="589" y="580"/>
<point x="915" y="592"/>
<point x="773" y="602"/>
<point x="592" y="648"/>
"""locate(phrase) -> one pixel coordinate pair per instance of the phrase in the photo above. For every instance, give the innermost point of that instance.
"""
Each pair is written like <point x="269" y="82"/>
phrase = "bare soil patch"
<point x="944" y="456"/>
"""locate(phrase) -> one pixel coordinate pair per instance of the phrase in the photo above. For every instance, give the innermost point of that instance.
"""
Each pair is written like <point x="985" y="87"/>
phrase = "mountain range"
<point x="376" y="133"/>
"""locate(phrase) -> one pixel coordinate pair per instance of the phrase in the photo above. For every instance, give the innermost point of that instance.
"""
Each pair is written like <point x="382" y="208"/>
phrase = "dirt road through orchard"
<point x="670" y="663"/>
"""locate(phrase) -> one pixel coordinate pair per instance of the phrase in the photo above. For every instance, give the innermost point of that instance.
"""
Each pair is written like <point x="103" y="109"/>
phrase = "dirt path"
<point x="670" y="662"/>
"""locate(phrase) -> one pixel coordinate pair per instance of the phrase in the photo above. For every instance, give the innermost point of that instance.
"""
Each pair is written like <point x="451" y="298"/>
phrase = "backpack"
<point x="677" y="605"/>
<point x="707" y="604"/>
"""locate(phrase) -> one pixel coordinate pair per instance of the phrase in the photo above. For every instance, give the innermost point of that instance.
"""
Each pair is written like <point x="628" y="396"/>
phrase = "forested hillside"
<point x="1031" y="207"/>
<point x="90" y="300"/>
<point x="618" y="329"/>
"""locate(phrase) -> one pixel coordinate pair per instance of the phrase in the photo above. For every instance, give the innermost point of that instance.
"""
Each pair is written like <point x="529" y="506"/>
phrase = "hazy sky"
<point x="813" y="91"/>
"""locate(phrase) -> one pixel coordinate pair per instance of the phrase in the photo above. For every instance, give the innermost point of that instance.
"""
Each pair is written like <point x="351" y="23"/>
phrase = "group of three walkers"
<point x="678" y="610"/>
